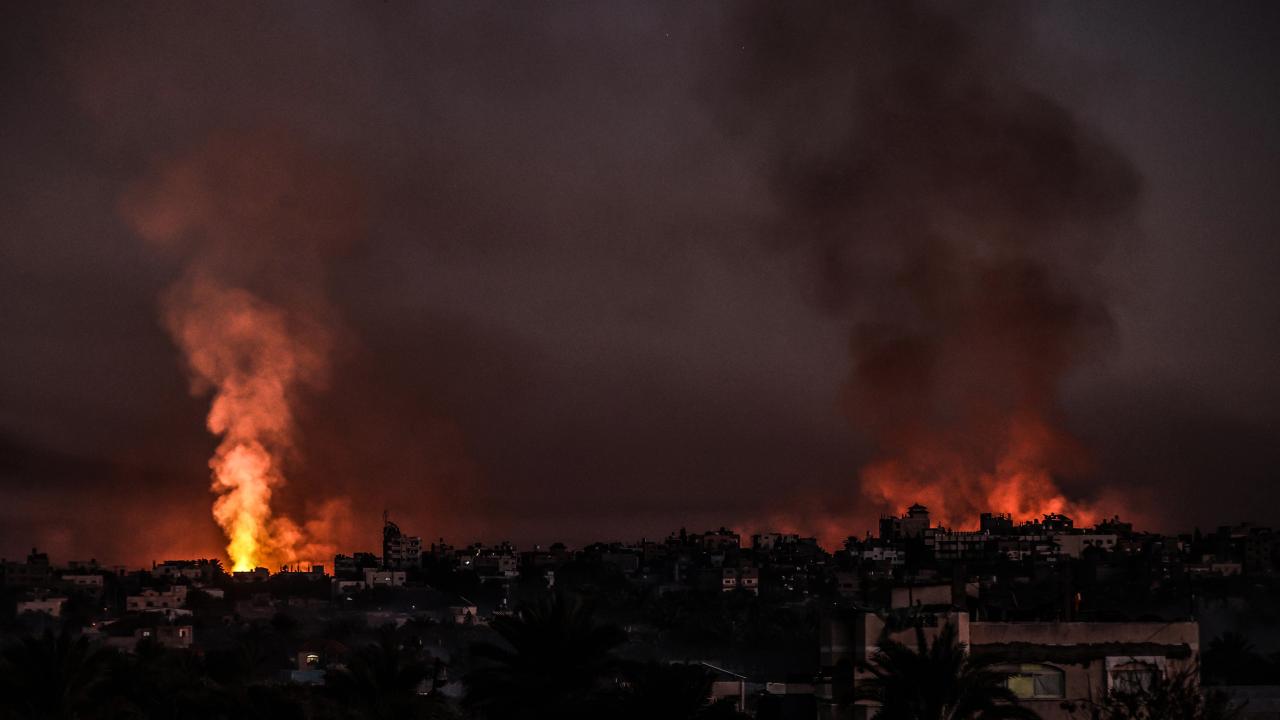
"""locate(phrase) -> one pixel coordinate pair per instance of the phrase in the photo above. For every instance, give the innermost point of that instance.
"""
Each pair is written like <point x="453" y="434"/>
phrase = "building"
<point x="126" y="637"/>
<point x="35" y="572"/>
<point x="1047" y="663"/>
<point x="496" y="564"/>
<point x="1050" y="663"/>
<point x="202" y="569"/>
<point x="48" y="606"/>
<point x="745" y="578"/>
<point x="996" y="523"/>
<point x="87" y="581"/>
<point x="151" y="600"/>
<point x="352" y="566"/>
<point x="383" y="578"/>
<point x="960" y="545"/>
<point x="719" y="540"/>
<point x="912" y="525"/>
<point x="399" y="551"/>
<point x="1073" y="545"/>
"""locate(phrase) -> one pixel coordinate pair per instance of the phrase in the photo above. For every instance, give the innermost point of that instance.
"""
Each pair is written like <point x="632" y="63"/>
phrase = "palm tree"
<point x="382" y="681"/>
<point x="53" y="676"/>
<point x="556" y="663"/>
<point x="1232" y="660"/>
<point x="936" y="681"/>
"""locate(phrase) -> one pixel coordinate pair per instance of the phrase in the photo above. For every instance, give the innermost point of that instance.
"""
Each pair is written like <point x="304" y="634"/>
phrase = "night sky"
<point x="602" y="270"/>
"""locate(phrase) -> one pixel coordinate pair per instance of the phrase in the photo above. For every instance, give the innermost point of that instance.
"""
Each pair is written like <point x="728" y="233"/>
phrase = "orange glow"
<point x="957" y="487"/>
<point x="253" y="357"/>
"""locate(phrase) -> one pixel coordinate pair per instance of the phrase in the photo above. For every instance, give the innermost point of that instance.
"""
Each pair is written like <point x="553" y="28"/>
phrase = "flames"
<point x="253" y="357"/>
<point x="957" y="487"/>
<point x="253" y="217"/>
<point x="243" y="478"/>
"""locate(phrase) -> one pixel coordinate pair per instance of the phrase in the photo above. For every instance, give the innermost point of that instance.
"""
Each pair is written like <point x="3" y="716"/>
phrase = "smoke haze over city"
<point x="553" y="272"/>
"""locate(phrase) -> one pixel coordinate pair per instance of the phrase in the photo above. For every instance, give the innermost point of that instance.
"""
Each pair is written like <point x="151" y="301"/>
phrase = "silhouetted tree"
<point x="936" y="681"/>
<point x="53" y="677"/>
<point x="383" y="680"/>
<point x="1176" y="697"/>
<point x="1232" y="660"/>
<point x="556" y="663"/>
<point x="673" y="692"/>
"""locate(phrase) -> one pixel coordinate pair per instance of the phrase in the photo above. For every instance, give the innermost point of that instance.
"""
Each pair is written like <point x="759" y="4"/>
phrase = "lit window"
<point x="1035" y="682"/>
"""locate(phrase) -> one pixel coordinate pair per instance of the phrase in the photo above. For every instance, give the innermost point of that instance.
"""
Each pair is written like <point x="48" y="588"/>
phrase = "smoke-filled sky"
<point x="600" y="270"/>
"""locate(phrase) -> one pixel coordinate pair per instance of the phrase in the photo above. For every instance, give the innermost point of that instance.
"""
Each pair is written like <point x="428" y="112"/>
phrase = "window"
<point x="1035" y="682"/>
<point x="1134" y="676"/>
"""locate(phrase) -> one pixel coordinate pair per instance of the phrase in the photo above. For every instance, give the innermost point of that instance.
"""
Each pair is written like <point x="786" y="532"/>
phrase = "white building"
<point x="152" y="600"/>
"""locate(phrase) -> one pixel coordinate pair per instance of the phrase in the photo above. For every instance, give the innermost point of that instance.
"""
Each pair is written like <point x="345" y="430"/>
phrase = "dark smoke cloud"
<point x="958" y="215"/>
<point x="556" y="317"/>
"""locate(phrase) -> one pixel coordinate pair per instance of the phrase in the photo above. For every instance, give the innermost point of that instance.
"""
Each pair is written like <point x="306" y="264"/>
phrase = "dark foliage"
<point x="1176" y="697"/>
<point x="936" y="681"/>
<point x="556" y="661"/>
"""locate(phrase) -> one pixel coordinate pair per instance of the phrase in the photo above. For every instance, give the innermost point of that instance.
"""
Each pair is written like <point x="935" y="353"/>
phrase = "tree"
<point x="1176" y="697"/>
<point x="1232" y="660"/>
<point x="938" y="681"/>
<point x="382" y="681"/>
<point x="672" y="692"/>
<point x="53" y="677"/>
<point x="556" y="662"/>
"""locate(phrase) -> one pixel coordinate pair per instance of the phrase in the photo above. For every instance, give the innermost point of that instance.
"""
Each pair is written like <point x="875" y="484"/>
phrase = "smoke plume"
<point x="252" y="217"/>
<point x="958" y="216"/>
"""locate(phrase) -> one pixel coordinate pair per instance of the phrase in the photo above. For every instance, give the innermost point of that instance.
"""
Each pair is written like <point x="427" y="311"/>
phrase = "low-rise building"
<point x="384" y="578"/>
<point x="1073" y="545"/>
<point x="86" y="580"/>
<point x="46" y="605"/>
<point x="1049" y="665"/>
<point x="152" y="600"/>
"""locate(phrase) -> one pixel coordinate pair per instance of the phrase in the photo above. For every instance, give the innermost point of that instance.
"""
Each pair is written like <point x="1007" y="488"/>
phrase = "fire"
<point x="253" y="216"/>
<point x="243" y="478"/>
<point x="957" y="486"/>
<point x="253" y="357"/>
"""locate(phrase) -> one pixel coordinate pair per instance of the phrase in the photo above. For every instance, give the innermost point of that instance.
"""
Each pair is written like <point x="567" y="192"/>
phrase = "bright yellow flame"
<point x="243" y="480"/>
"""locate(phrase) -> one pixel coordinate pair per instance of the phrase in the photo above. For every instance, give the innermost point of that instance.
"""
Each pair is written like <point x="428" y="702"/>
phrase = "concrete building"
<point x="912" y="525"/>
<point x="960" y="544"/>
<point x="1073" y="546"/>
<point x="719" y="540"/>
<point x="399" y="551"/>
<point x="496" y="565"/>
<point x="745" y="578"/>
<point x="152" y="600"/>
<point x="35" y="572"/>
<point x="48" y="606"/>
<point x="175" y="637"/>
<point x="1048" y="663"/>
<point x="89" y="581"/>
<point x="385" y="578"/>
<point x="258" y="574"/>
